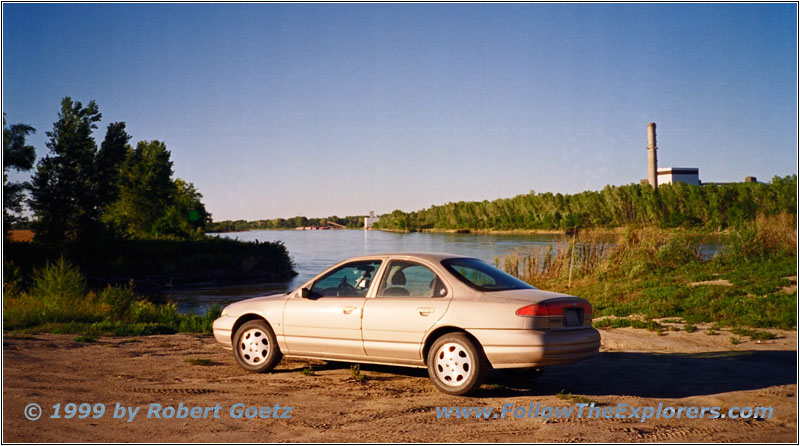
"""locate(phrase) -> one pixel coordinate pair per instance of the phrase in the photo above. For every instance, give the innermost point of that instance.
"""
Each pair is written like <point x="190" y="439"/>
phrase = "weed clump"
<point x="356" y="375"/>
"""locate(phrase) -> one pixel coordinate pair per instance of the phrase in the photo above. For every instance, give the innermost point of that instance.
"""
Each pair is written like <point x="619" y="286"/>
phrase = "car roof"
<point x="429" y="256"/>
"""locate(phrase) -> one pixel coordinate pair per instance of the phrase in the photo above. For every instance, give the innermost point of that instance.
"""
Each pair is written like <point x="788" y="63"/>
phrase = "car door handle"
<point x="348" y="310"/>
<point x="424" y="311"/>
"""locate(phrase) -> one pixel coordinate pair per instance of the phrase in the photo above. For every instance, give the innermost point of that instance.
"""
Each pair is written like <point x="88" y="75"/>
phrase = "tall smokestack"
<point x="652" y="161"/>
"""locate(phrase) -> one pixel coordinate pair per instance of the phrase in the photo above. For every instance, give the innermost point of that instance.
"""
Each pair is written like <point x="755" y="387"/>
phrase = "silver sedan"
<point x="453" y="315"/>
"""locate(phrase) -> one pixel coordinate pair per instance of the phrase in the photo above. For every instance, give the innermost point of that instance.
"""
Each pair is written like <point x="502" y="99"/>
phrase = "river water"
<point x="314" y="251"/>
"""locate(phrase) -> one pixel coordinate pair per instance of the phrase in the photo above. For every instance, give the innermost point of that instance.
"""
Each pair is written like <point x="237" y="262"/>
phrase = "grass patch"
<point x="308" y="371"/>
<point x="690" y="328"/>
<point x="84" y="338"/>
<point x="622" y="322"/>
<point x="735" y="340"/>
<point x="755" y="335"/>
<point x="575" y="398"/>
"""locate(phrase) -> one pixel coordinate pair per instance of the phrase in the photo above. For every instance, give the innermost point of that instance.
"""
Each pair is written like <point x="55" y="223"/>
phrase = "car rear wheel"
<point x="456" y="365"/>
<point x="255" y="347"/>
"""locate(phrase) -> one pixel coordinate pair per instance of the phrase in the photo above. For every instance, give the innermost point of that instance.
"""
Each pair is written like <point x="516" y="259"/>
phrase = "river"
<point x="314" y="251"/>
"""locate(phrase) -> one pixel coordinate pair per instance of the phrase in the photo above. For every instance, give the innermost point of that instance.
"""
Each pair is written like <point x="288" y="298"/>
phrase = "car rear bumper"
<point x="534" y="348"/>
<point x="222" y="330"/>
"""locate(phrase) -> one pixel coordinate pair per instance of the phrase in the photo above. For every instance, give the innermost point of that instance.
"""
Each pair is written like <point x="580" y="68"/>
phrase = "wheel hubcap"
<point x="453" y="364"/>
<point x="253" y="346"/>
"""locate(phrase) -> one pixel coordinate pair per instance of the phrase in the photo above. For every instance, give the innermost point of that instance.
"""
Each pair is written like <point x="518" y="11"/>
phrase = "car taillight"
<point x="552" y="308"/>
<point x="533" y="310"/>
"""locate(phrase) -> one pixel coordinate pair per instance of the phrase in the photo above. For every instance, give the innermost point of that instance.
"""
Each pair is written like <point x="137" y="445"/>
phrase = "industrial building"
<point x="671" y="175"/>
<point x="369" y="221"/>
<point x="666" y="175"/>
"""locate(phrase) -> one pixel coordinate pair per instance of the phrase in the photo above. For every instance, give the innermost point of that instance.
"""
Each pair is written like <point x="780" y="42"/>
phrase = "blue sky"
<point x="278" y="110"/>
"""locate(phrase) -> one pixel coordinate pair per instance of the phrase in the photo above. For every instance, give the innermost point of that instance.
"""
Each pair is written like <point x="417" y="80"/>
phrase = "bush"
<point x="59" y="280"/>
<point x="119" y="299"/>
<point x="59" y="303"/>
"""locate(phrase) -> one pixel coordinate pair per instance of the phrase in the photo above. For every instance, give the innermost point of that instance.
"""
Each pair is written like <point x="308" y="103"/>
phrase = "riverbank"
<point x="588" y="232"/>
<point x="155" y="265"/>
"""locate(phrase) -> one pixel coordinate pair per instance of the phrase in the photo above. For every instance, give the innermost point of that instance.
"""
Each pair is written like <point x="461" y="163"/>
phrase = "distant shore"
<point x="586" y="231"/>
<point x="589" y="231"/>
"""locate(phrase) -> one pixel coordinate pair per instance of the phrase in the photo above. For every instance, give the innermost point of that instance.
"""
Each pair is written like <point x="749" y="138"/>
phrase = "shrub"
<point x="119" y="299"/>
<point x="59" y="280"/>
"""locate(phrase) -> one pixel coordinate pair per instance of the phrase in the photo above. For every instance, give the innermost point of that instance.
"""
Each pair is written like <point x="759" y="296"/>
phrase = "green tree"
<point x="19" y="156"/>
<point x="145" y="189"/>
<point x="186" y="216"/>
<point x="63" y="192"/>
<point x="108" y="162"/>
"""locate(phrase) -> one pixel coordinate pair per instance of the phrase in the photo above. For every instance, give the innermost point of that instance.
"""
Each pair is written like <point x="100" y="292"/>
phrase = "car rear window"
<point x="482" y="276"/>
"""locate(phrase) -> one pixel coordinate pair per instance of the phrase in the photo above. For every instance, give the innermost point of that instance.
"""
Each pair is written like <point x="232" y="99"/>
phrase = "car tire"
<point x="456" y="364"/>
<point x="255" y="347"/>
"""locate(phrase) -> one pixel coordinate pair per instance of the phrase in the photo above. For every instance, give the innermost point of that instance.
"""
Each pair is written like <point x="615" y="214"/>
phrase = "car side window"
<point x="404" y="278"/>
<point x="350" y="280"/>
<point x="475" y="276"/>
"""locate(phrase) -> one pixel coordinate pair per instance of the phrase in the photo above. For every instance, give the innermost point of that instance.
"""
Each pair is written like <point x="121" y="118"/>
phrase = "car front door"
<point x="328" y="321"/>
<point x="410" y="299"/>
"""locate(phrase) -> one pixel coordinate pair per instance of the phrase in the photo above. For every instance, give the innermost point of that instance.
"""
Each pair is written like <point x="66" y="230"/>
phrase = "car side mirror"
<point x="305" y="293"/>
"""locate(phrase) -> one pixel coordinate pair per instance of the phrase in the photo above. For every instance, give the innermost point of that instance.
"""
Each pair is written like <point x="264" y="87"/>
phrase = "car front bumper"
<point x="535" y="348"/>
<point x="222" y="330"/>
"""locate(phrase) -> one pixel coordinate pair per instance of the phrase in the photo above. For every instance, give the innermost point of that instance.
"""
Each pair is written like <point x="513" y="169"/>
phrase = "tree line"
<point x="708" y="207"/>
<point x="80" y="191"/>
<point x="351" y="222"/>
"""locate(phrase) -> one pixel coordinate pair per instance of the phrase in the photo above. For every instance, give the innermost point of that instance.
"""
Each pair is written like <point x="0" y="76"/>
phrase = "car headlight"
<point x="224" y="312"/>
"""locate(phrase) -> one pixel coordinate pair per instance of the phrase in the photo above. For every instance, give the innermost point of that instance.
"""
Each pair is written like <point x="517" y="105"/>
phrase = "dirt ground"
<point x="636" y="367"/>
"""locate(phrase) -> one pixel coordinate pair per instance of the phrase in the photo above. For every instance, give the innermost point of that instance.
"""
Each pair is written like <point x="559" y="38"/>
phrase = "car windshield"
<point x="482" y="276"/>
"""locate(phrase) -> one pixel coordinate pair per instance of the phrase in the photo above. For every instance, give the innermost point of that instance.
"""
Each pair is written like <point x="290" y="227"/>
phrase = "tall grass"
<point x="545" y="264"/>
<point x="638" y="251"/>
<point x="660" y="273"/>
<point x="768" y="235"/>
<point x="58" y="301"/>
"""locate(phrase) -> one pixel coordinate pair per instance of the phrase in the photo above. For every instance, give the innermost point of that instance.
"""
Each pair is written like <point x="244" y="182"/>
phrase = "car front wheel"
<point x="255" y="347"/>
<point x="456" y="364"/>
